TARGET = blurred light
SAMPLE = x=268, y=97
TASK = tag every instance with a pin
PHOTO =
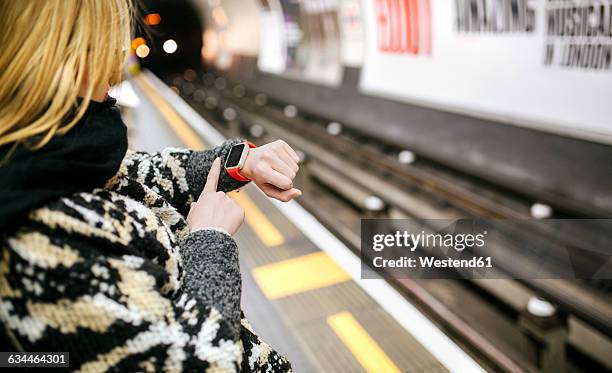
x=334, y=128
x=373, y=203
x=219, y=16
x=138, y=42
x=229, y=114
x=290, y=111
x=541, y=211
x=210, y=103
x=214, y=3
x=190, y=75
x=142, y=51
x=199, y=95
x=210, y=45
x=261, y=99
x=220, y=83
x=539, y=307
x=152, y=19
x=170, y=46
x=178, y=81
x=406, y=157
x=256, y=130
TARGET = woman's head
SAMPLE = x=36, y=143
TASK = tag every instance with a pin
x=52, y=52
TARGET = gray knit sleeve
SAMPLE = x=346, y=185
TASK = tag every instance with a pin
x=200, y=162
x=212, y=272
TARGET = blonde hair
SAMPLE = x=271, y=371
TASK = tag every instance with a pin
x=51, y=51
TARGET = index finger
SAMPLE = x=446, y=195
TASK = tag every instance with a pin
x=212, y=180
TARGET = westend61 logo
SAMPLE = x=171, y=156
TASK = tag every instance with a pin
x=487, y=248
x=413, y=241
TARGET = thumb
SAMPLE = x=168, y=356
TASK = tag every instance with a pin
x=212, y=180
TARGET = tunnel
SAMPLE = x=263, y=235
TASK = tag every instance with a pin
x=176, y=39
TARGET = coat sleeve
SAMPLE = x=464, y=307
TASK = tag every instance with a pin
x=117, y=312
x=177, y=174
x=212, y=273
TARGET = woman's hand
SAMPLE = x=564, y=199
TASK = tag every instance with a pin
x=273, y=167
x=215, y=209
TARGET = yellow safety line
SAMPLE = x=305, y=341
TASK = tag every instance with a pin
x=369, y=354
x=297, y=275
x=178, y=125
x=257, y=220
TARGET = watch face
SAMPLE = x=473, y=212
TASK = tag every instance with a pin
x=234, y=156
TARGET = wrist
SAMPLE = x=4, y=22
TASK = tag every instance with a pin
x=247, y=169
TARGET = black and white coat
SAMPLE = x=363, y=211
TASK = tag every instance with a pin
x=114, y=277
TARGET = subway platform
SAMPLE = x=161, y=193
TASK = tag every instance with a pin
x=302, y=289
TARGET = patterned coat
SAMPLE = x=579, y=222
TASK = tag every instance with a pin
x=114, y=277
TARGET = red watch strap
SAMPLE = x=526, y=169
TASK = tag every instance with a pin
x=235, y=173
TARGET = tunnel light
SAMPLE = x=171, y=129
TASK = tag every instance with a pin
x=229, y=114
x=541, y=211
x=152, y=19
x=334, y=128
x=540, y=307
x=138, y=42
x=219, y=16
x=406, y=157
x=178, y=81
x=190, y=75
x=142, y=51
x=256, y=130
x=170, y=46
x=373, y=203
x=210, y=103
x=290, y=111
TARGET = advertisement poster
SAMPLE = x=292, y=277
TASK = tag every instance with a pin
x=533, y=63
x=272, y=52
x=351, y=33
x=301, y=40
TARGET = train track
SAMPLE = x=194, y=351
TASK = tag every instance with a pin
x=422, y=190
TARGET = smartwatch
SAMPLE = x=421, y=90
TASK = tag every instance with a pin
x=236, y=159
